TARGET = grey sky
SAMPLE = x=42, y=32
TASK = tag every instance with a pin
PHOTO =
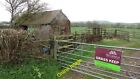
x=89, y=10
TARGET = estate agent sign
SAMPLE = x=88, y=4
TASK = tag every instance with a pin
x=108, y=59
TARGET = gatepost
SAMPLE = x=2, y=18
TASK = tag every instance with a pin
x=53, y=48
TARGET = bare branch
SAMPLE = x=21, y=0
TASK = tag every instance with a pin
x=25, y=7
x=14, y=7
x=35, y=6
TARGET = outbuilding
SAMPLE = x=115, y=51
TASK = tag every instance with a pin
x=49, y=23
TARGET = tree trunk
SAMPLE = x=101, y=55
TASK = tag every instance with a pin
x=12, y=18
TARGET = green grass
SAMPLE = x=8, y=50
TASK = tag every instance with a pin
x=47, y=69
x=113, y=42
x=84, y=29
x=78, y=29
x=31, y=30
x=134, y=43
x=126, y=29
x=29, y=69
x=110, y=42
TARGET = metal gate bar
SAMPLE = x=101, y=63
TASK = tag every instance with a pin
x=68, y=57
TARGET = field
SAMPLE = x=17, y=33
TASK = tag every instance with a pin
x=134, y=43
x=113, y=42
x=47, y=69
x=78, y=29
x=83, y=29
x=29, y=69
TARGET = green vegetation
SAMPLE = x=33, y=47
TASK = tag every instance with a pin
x=83, y=29
x=78, y=29
x=29, y=69
x=134, y=43
x=112, y=42
x=47, y=69
x=126, y=29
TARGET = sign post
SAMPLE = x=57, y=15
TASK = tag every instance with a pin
x=108, y=59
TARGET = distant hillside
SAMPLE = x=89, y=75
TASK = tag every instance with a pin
x=4, y=23
x=103, y=22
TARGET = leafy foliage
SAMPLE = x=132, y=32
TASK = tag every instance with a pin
x=30, y=69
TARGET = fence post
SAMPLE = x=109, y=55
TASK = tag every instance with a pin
x=75, y=36
x=115, y=33
x=53, y=48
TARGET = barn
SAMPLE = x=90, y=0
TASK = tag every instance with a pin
x=49, y=23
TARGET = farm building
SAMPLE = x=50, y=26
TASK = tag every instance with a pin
x=49, y=23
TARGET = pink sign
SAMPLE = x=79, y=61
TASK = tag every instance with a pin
x=108, y=56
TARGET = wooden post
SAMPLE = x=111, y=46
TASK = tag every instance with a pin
x=101, y=33
x=115, y=33
x=53, y=48
x=104, y=33
x=94, y=31
x=75, y=36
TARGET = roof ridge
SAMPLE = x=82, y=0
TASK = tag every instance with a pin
x=44, y=17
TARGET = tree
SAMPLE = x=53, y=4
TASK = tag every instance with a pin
x=34, y=6
x=15, y=7
x=25, y=8
x=93, y=24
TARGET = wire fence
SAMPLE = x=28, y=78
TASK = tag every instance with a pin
x=130, y=62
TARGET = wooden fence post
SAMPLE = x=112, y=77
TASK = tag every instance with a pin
x=104, y=33
x=115, y=33
x=53, y=48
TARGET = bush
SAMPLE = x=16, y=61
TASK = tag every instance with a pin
x=11, y=43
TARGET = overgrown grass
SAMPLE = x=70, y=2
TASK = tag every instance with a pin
x=30, y=69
